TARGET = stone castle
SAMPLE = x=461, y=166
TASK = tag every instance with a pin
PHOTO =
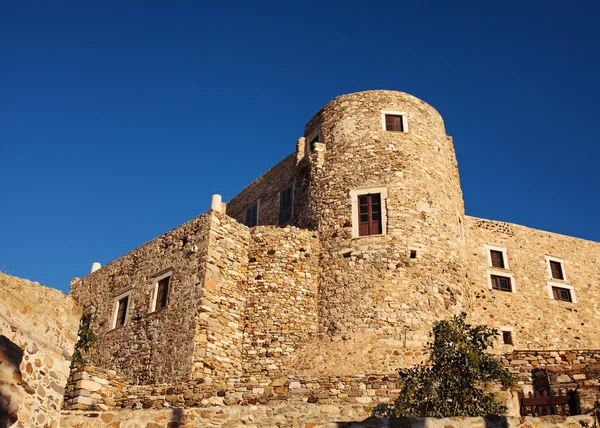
x=324, y=276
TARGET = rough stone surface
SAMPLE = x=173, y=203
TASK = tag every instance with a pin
x=38, y=331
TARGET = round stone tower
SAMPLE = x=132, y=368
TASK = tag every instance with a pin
x=385, y=197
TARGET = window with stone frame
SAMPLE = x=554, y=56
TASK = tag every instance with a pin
x=394, y=122
x=122, y=310
x=251, y=215
x=162, y=293
x=369, y=214
x=497, y=258
x=556, y=270
x=507, y=337
x=286, y=200
x=501, y=283
x=563, y=294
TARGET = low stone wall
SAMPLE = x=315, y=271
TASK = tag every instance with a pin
x=38, y=331
x=300, y=416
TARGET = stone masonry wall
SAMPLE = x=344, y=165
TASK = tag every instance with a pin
x=220, y=321
x=152, y=346
x=266, y=190
x=38, y=331
x=281, y=310
x=538, y=321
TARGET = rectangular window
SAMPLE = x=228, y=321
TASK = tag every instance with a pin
x=556, y=269
x=122, y=311
x=507, y=337
x=369, y=214
x=563, y=294
x=497, y=259
x=162, y=292
x=313, y=140
x=286, y=197
x=251, y=215
x=394, y=122
x=501, y=283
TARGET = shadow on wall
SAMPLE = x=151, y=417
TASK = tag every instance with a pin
x=374, y=422
x=176, y=418
x=10, y=376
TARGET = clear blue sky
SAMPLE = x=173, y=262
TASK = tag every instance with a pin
x=118, y=120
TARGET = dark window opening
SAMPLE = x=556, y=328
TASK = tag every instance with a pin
x=501, y=283
x=497, y=259
x=394, y=123
x=563, y=294
x=313, y=140
x=556, y=269
x=413, y=254
x=162, y=293
x=251, y=215
x=369, y=215
x=286, y=197
x=507, y=337
x=122, y=311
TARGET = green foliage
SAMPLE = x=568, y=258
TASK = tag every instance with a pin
x=455, y=378
x=87, y=340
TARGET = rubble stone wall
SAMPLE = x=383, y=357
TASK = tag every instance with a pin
x=38, y=331
x=153, y=346
x=281, y=309
x=537, y=320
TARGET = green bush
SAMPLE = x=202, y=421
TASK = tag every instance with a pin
x=87, y=341
x=455, y=379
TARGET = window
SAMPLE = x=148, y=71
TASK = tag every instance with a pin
x=251, y=215
x=368, y=211
x=556, y=270
x=160, y=292
x=497, y=259
x=560, y=293
x=369, y=214
x=394, y=121
x=507, y=337
x=501, y=283
x=314, y=137
x=121, y=310
x=286, y=197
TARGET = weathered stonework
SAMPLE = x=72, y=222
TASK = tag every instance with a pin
x=38, y=331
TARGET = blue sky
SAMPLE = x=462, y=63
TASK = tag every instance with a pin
x=119, y=120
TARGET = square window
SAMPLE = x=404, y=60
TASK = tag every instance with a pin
x=556, y=270
x=563, y=294
x=501, y=283
x=507, y=337
x=286, y=198
x=122, y=309
x=497, y=258
x=251, y=215
x=162, y=293
x=369, y=217
x=394, y=122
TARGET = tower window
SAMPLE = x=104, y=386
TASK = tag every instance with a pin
x=122, y=310
x=507, y=337
x=251, y=215
x=563, y=294
x=501, y=283
x=313, y=139
x=286, y=198
x=162, y=293
x=394, y=122
x=556, y=270
x=369, y=214
x=497, y=258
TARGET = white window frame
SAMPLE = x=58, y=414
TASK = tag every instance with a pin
x=354, y=194
x=117, y=299
x=157, y=279
x=562, y=267
x=510, y=330
x=561, y=285
x=395, y=113
x=316, y=132
x=257, y=202
x=489, y=256
x=504, y=273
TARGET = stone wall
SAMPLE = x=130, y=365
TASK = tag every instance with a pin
x=220, y=321
x=153, y=346
x=537, y=320
x=281, y=310
x=38, y=331
x=300, y=416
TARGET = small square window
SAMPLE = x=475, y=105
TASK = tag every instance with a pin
x=122, y=306
x=497, y=258
x=286, y=198
x=501, y=283
x=556, y=270
x=507, y=337
x=162, y=292
x=563, y=294
x=251, y=215
x=394, y=122
x=369, y=214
